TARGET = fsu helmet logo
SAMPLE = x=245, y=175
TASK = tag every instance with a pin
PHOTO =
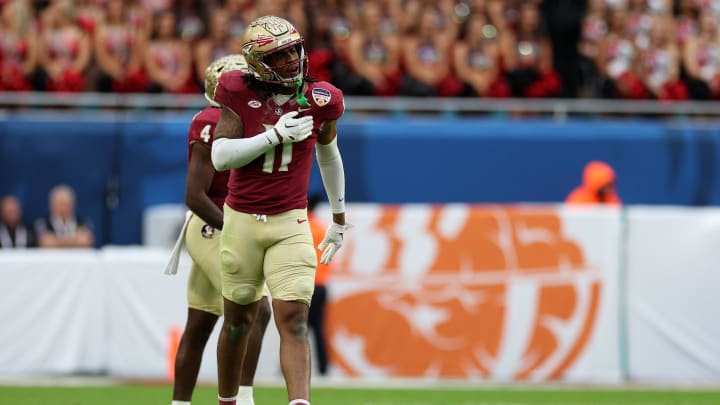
x=263, y=40
x=276, y=26
x=467, y=291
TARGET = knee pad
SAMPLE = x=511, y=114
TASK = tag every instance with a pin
x=241, y=294
x=236, y=287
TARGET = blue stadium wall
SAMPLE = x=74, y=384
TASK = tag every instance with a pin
x=120, y=164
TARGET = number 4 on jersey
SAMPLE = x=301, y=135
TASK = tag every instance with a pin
x=205, y=133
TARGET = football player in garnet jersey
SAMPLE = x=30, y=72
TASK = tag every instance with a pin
x=272, y=121
x=205, y=192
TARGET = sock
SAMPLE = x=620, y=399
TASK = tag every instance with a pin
x=299, y=402
x=180, y=402
x=227, y=401
x=245, y=395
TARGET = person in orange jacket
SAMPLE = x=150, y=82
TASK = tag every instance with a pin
x=598, y=186
x=316, y=317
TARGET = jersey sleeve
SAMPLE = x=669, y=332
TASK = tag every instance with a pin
x=337, y=107
x=329, y=100
x=202, y=128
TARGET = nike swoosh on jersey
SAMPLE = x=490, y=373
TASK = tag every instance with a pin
x=300, y=221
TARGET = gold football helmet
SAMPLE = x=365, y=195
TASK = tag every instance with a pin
x=217, y=68
x=269, y=34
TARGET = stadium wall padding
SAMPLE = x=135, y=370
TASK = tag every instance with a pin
x=122, y=163
x=465, y=292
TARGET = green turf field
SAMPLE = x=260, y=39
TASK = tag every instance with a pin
x=141, y=395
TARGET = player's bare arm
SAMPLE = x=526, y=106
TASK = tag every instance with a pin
x=327, y=132
x=199, y=179
x=228, y=126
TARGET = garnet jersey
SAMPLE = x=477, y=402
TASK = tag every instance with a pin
x=278, y=180
x=202, y=129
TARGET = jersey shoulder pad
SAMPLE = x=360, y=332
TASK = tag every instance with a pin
x=232, y=81
x=209, y=115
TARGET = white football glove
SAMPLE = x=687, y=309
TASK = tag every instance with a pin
x=332, y=242
x=294, y=129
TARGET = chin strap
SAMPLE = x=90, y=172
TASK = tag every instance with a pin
x=301, y=99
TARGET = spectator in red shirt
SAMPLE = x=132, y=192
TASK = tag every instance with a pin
x=65, y=49
x=168, y=58
x=427, y=57
x=18, y=48
x=528, y=56
x=119, y=48
x=374, y=54
x=477, y=59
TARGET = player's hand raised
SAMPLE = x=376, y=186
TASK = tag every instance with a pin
x=293, y=129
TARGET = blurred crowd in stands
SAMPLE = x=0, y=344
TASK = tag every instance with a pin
x=634, y=49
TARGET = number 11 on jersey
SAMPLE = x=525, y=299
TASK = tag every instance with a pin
x=284, y=160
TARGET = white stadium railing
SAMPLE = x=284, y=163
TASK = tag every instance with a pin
x=557, y=108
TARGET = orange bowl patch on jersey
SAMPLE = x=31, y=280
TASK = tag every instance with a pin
x=321, y=96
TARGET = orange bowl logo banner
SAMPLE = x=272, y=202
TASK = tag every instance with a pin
x=513, y=293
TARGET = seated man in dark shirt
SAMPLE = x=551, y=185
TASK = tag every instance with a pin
x=62, y=228
x=13, y=231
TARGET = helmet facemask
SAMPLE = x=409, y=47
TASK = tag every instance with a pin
x=277, y=71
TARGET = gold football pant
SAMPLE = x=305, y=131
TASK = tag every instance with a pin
x=277, y=249
x=204, y=283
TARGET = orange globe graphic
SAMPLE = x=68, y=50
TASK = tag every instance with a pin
x=489, y=292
